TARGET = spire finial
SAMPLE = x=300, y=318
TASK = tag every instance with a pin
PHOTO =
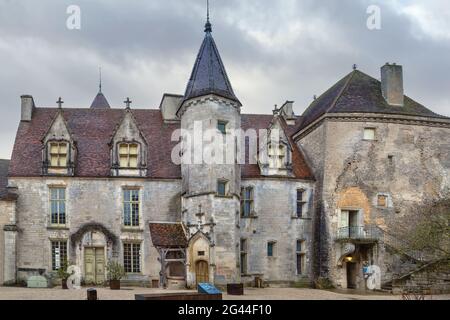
x=208, y=26
x=100, y=79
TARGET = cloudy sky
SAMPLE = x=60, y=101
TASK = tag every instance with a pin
x=273, y=50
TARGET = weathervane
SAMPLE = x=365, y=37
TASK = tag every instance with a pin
x=208, y=26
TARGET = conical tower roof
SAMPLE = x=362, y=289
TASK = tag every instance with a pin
x=209, y=75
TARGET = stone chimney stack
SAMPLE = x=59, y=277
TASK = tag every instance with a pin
x=392, y=84
x=287, y=112
x=27, y=108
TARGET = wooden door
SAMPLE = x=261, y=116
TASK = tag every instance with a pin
x=99, y=265
x=202, y=272
x=89, y=265
x=351, y=275
x=94, y=265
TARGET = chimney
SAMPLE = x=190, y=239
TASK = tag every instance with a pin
x=169, y=106
x=27, y=107
x=392, y=84
x=288, y=113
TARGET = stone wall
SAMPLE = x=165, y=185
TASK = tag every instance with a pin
x=409, y=163
x=7, y=212
x=90, y=201
x=275, y=209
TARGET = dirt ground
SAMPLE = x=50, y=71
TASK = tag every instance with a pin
x=15, y=293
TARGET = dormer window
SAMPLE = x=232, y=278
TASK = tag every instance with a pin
x=277, y=156
x=128, y=155
x=58, y=154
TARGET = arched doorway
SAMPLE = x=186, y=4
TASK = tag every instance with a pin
x=201, y=271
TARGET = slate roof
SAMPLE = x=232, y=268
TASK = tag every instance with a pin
x=4, y=165
x=209, y=75
x=100, y=102
x=360, y=93
x=92, y=131
x=168, y=235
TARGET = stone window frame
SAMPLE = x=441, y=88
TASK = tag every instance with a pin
x=302, y=253
x=303, y=204
x=243, y=252
x=139, y=202
x=133, y=243
x=252, y=213
x=68, y=169
x=273, y=251
x=223, y=123
x=227, y=188
x=387, y=200
x=50, y=200
x=374, y=129
x=58, y=154
x=284, y=158
x=59, y=241
x=138, y=154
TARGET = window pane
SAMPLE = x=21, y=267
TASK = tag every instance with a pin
x=299, y=209
x=369, y=134
x=127, y=257
x=270, y=249
x=54, y=148
x=221, y=188
x=299, y=245
x=54, y=160
x=123, y=149
x=123, y=161
x=133, y=161
x=221, y=126
x=135, y=195
x=63, y=148
x=62, y=161
x=127, y=195
x=247, y=208
x=133, y=149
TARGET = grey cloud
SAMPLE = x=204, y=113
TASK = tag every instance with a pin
x=273, y=51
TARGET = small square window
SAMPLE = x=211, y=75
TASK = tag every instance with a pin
x=222, y=188
x=201, y=253
x=382, y=201
x=369, y=133
x=222, y=127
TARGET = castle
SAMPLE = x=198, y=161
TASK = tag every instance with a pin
x=92, y=185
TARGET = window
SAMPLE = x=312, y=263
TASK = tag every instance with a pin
x=243, y=248
x=369, y=133
x=131, y=205
x=128, y=155
x=271, y=249
x=58, y=154
x=222, y=126
x=58, y=206
x=132, y=257
x=300, y=203
x=59, y=254
x=277, y=156
x=382, y=201
x=246, y=202
x=300, y=252
x=222, y=188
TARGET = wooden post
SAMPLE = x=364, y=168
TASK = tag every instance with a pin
x=91, y=294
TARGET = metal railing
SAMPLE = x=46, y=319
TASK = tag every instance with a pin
x=368, y=232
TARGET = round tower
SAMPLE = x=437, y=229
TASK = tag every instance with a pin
x=210, y=115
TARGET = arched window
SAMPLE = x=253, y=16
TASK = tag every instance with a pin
x=128, y=155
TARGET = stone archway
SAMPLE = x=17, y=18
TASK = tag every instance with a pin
x=93, y=245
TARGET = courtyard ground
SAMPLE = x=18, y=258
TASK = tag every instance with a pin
x=16, y=293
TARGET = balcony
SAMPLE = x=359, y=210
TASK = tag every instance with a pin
x=360, y=234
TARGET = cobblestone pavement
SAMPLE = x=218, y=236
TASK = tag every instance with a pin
x=14, y=293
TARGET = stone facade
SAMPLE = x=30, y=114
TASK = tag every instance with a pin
x=407, y=162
